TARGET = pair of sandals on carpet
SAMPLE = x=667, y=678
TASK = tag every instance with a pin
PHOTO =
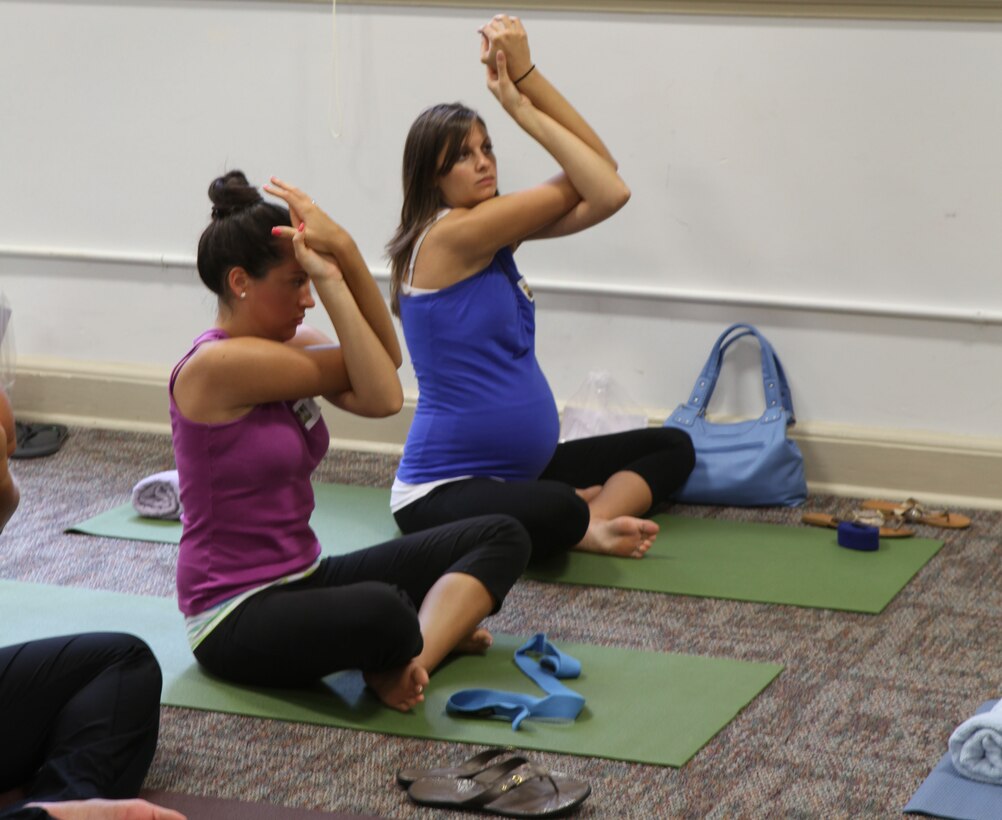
x=498, y=781
x=891, y=518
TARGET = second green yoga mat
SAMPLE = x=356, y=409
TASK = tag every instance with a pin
x=706, y=557
x=644, y=707
x=345, y=518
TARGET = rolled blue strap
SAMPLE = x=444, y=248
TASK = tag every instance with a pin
x=544, y=663
x=855, y=536
x=515, y=706
x=550, y=663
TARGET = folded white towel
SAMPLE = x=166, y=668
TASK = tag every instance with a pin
x=976, y=746
x=158, y=496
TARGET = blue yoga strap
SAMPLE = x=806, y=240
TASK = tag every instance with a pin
x=544, y=665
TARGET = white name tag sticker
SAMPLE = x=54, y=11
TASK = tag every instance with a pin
x=526, y=289
x=307, y=411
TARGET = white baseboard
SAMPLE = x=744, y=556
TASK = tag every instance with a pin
x=856, y=462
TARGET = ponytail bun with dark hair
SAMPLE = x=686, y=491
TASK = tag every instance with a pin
x=232, y=193
x=239, y=235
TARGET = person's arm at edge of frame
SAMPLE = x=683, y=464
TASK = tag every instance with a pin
x=97, y=808
x=10, y=496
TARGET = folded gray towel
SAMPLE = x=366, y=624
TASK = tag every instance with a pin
x=976, y=746
x=158, y=496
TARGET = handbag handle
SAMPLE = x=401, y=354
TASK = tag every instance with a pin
x=786, y=397
x=774, y=383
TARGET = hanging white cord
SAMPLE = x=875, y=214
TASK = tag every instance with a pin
x=334, y=111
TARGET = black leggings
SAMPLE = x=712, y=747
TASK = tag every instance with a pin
x=80, y=717
x=556, y=516
x=358, y=611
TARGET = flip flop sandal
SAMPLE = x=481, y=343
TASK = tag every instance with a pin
x=512, y=788
x=35, y=440
x=894, y=530
x=915, y=513
x=468, y=768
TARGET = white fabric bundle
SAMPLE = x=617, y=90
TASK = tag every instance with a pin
x=976, y=746
x=158, y=496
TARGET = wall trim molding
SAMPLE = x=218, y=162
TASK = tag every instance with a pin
x=845, y=461
x=858, y=307
x=961, y=10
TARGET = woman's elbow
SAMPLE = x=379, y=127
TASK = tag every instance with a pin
x=615, y=199
x=623, y=195
x=390, y=403
x=396, y=405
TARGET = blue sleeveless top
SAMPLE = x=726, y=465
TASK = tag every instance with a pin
x=484, y=406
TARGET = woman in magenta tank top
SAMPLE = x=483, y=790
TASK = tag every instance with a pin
x=484, y=437
x=261, y=605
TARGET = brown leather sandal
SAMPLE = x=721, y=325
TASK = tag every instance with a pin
x=915, y=513
x=468, y=768
x=512, y=788
x=889, y=527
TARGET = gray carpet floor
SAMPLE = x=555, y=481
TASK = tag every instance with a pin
x=852, y=726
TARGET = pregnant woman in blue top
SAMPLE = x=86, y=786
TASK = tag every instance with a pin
x=484, y=437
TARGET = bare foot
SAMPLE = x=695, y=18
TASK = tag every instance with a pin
x=625, y=536
x=588, y=493
x=401, y=688
x=476, y=643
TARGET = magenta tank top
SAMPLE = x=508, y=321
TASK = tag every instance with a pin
x=247, y=498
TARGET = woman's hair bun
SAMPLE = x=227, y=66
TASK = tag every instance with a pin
x=231, y=193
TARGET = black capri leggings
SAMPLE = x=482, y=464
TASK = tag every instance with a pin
x=80, y=717
x=359, y=611
x=556, y=516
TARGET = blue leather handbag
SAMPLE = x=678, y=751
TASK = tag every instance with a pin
x=746, y=463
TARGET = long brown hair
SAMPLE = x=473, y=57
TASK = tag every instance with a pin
x=442, y=127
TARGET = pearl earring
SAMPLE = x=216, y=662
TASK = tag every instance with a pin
x=243, y=294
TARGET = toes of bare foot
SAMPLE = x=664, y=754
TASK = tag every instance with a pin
x=401, y=688
x=625, y=536
x=476, y=643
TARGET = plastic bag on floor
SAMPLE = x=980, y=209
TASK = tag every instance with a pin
x=601, y=405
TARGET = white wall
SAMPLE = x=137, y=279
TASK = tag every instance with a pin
x=811, y=176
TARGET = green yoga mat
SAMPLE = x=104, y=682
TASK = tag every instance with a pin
x=345, y=518
x=711, y=558
x=766, y=563
x=644, y=707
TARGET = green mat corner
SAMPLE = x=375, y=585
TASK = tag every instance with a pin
x=764, y=563
x=685, y=700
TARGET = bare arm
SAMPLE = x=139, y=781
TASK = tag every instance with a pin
x=100, y=809
x=588, y=192
x=225, y=379
x=374, y=387
x=325, y=235
x=9, y=494
x=508, y=35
